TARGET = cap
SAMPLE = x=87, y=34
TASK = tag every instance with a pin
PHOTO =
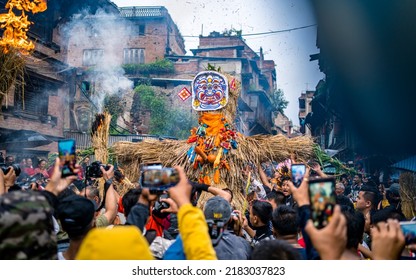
x=75, y=214
x=217, y=209
x=26, y=227
x=118, y=243
x=394, y=189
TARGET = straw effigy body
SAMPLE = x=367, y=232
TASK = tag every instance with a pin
x=255, y=149
x=407, y=182
x=99, y=138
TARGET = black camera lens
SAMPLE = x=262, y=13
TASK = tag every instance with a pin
x=16, y=167
x=94, y=170
x=159, y=206
x=4, y=168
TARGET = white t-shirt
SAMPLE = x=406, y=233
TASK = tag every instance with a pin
x=61, y=256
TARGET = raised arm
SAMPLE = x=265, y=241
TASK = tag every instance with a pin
x=111, y=206
x=264, y=179
x=192, y=225
x=2, y=187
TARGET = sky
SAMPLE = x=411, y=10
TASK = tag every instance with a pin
x=289, y=50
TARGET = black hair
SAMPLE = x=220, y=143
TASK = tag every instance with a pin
x=277, y=196
x=65, y=193
x=355, y=226
x=285, y=220
x=344, y=201
x=387, y=213
x=263, y=210
x=372, y=194
x=393, y=197
x=343, y=176
x=9, y=158
x=275, y=250
x=130, y=199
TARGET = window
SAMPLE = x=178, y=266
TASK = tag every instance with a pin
x=136, y=30
x=85, y=86
x=133, y=56
x=302, y=103
x=92, y=56
x=141, y=29
x=35, y=98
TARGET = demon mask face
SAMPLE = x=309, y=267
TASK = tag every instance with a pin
x=209, y=91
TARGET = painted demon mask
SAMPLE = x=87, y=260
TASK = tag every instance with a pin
x=209, y=91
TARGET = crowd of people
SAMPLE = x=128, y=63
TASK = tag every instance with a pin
x=67, y=218
x=34, y=173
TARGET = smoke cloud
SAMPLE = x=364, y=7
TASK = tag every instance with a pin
x=103, y=36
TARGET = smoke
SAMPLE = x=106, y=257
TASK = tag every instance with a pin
x=96, y=43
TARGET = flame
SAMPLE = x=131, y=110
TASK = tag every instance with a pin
x=16, y=24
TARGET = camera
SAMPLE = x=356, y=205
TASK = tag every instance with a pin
x=235, y=214
x=158, y=178
x=159, y=206
x=94, y=171
x=16, y=167
x=29, y=182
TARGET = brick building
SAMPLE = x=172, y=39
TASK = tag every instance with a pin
x=234, y=56
x=102, y=46
x=305, y=108
x=41, y=104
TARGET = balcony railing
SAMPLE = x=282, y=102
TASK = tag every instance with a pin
x=133, y=12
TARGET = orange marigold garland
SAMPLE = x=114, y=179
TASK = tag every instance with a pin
x=213, y=138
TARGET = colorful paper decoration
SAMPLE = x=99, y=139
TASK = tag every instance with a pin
x=184, y=94
x=233, y=85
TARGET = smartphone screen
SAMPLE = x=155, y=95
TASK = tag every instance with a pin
x=67, y=156
x=297, y=171
x=322, y=199
x=409, y=231
x=158, y=178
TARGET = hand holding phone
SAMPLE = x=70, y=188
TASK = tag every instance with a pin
x=322, y=200
x=298, y=172
x=409, y=231
x=67, y=156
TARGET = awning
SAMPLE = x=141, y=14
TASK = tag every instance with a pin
x=331, y=152
x=406, y=164
x=23, y=139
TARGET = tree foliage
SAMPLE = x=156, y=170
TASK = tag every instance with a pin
x=113, y=104
x=279, y=101
x=232, y=32
x=164, y=118
x=161, y=66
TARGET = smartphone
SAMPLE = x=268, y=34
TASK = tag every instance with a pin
x=409, y=231
x=67, y=156
x=297, y=171
x=158, y=178
x=322, y=200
